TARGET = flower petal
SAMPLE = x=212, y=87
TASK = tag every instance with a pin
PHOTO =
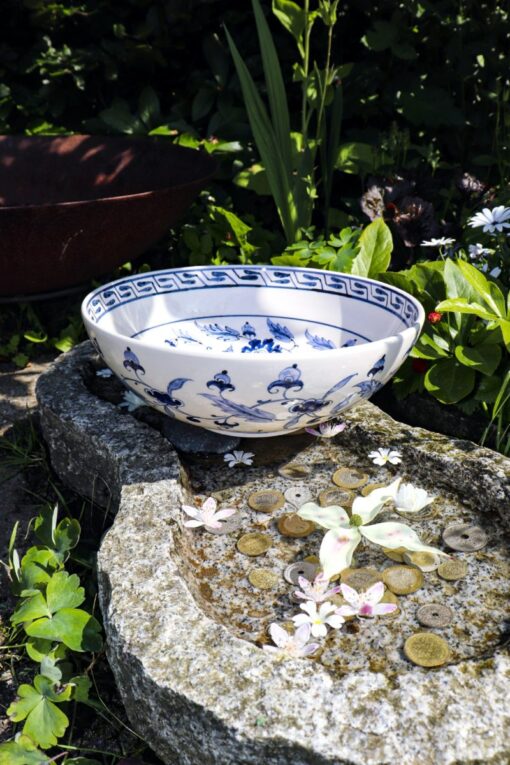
x=393, y=535
x=384, y=608
x=328, y=517
x=310, y=648
x=209, y=506
x=193, y=524
x=300, y=619
x=225, y=513
x=337, y=548
x=370, y=506
x=350, y=595
x=319, y=630
x=374, y=594
x=190, y=510
x=347, y=611
x=335, y=620
x=302, y=634
x=279, y=636
x=310, y=607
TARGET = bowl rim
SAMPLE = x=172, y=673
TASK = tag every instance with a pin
x=255, y=357
x=201, y=180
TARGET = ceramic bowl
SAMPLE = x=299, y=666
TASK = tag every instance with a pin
x=252, y=350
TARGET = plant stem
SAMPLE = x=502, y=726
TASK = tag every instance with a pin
x=306, y=67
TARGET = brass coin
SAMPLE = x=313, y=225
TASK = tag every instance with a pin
x=336, y=497
x=434, y=615
x=452, y=570
x=254, y=543
x=426, y=649
x=298, y=495
x=369, y=488
x=266, y=501
x=294, y=526
x=397, y=554
x=349, y=478
x=294, y=470
x=360, y=579
x=263, y=578
x=313, y=559
x=464, y=537
x=425, y=561
x=402, y=580
x=300, y=568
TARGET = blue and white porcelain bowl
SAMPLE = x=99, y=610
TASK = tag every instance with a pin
x=252, y=350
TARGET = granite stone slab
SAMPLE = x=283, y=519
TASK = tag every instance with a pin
x=184, y=644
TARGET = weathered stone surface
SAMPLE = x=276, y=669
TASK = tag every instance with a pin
x=200, y=694
x=189, y=438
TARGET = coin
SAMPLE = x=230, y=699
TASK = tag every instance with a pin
x=434, y=615
x=349, y=478
x=298, y=495
x=294, y=470
x=402, y=580
x=300, y=568
x=294, y=526
x=360, y=579
x=254, y=543
x=266, y=501
x=425, y=561
x=340, y=497
x=369, y=488
x=452, y=570
x=263, y=578
x=426, y=649
x=397, y=554
x=464, y=537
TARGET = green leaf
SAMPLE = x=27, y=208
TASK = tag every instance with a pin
x=45, y=525
x=449, y=381
x=376, y=245
x=64, y=591
x=82, y=761
x=38, y=649
x=75, y=628
x=253, y=178
x=460, y=305
x=30, y=609
x=22, y=751
x=149, y=107
x=35, y=570
x=50, y=670
x=428, y=348
x=292, y=17
x=482, y=358
x=489, y=291
x=67, y=535
x=45, y=723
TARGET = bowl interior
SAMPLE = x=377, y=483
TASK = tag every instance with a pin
x=49, y=170
x=215, y=310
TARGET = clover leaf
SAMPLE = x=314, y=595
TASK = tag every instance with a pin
x=62, y=537
x=45, y=723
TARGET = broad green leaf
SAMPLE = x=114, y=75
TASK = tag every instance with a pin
x=376, y=245
x=45, y=723
x=428, y=348
x=463, y=306
x=36, y=568
x=45, y=525
x=356, y=158
x=449, y=381
x=38, y=649
x=482, y=358
x=67, y=535
x=22, y=751
x=488, y=389
x=50, y=670
x=31, y=608
x=64, y=591
x=488, y=291
x=75, y=628
x=292, y=17
x=298, y=259
x=253, y=178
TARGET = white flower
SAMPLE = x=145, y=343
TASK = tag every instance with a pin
x=104, y=373
x=443, y=242
x=478, y=251
x=207, y=515
x=318, y=591
x=410, y=499
x=382, y=456
x=491, y=220
x=345, y=533
x=292, y=646
x=327, y=429
x=239, y=458
x=319, y=620
x=131, y=401
x=365, y=603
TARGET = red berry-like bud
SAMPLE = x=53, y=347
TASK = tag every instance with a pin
x=434, y=317
x=420, y=366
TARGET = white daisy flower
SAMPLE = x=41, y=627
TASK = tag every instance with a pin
x=383, y=456
x=239, y=458
x=207, y=515
x=327, y=429
x=365, y=603
x=319, y=620
x=478, y=251
x=495, y=220
x=442, y=242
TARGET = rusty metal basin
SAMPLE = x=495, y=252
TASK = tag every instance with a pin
x=74, y=207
